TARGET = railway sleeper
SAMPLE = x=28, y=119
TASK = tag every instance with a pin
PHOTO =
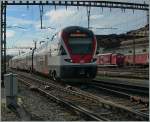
x=140, y=100
x=144, y=109
x=65, y=104
x=125, y=111
x=33, y=87
x=47, y=87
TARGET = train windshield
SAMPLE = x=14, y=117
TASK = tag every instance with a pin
x=80, y=45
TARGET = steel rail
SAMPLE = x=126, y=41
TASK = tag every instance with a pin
x=99, y=100
x=124, y=95
x=88, y=114
x=123, y=70
x=134, y=89
x=128, y=76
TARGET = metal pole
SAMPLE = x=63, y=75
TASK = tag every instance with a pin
x=33, y=54
x=133, y=52
x=34, y=44
x=3, y=39
x=147, y=17
x=32, y=58
x=41, y=15
x=88, y=15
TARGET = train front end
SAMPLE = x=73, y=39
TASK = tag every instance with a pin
x=80, y=61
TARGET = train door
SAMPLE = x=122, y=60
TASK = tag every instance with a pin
x=101, y=59
x=41, y=63
x=114, y=59
x=107, y=59
x=46, y=64
x=147, y=61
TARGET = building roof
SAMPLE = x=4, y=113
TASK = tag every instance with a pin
x=114, y=40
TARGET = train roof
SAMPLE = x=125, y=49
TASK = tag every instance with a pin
x=110, y=54
x=71, y=28
x=105, y=54
x=22, y=55
x=66, y=29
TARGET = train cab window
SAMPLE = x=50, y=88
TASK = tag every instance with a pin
x=62, y=51
x=80, y=45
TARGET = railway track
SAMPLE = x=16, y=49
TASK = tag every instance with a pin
x=43, y=88
x=132, y=89
x=124, y=72
x=132, y=70
x=91, y=106
x=137, y=102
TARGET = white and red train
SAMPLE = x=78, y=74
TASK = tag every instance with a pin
x=70, y=54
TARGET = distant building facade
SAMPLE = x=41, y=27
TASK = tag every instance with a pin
x=136, y=41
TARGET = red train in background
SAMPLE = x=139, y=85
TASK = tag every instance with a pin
x=110, y=59
x=140, y=59
x=117, y=59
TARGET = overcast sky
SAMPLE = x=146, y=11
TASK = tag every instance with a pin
x=23, y=24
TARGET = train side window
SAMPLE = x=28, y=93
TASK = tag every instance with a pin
x=144, y=50
x=62, y=51
x=130, y=51
x=97, y=52
x=50, y=52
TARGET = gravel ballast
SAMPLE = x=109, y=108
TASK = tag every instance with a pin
x=39, y=108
